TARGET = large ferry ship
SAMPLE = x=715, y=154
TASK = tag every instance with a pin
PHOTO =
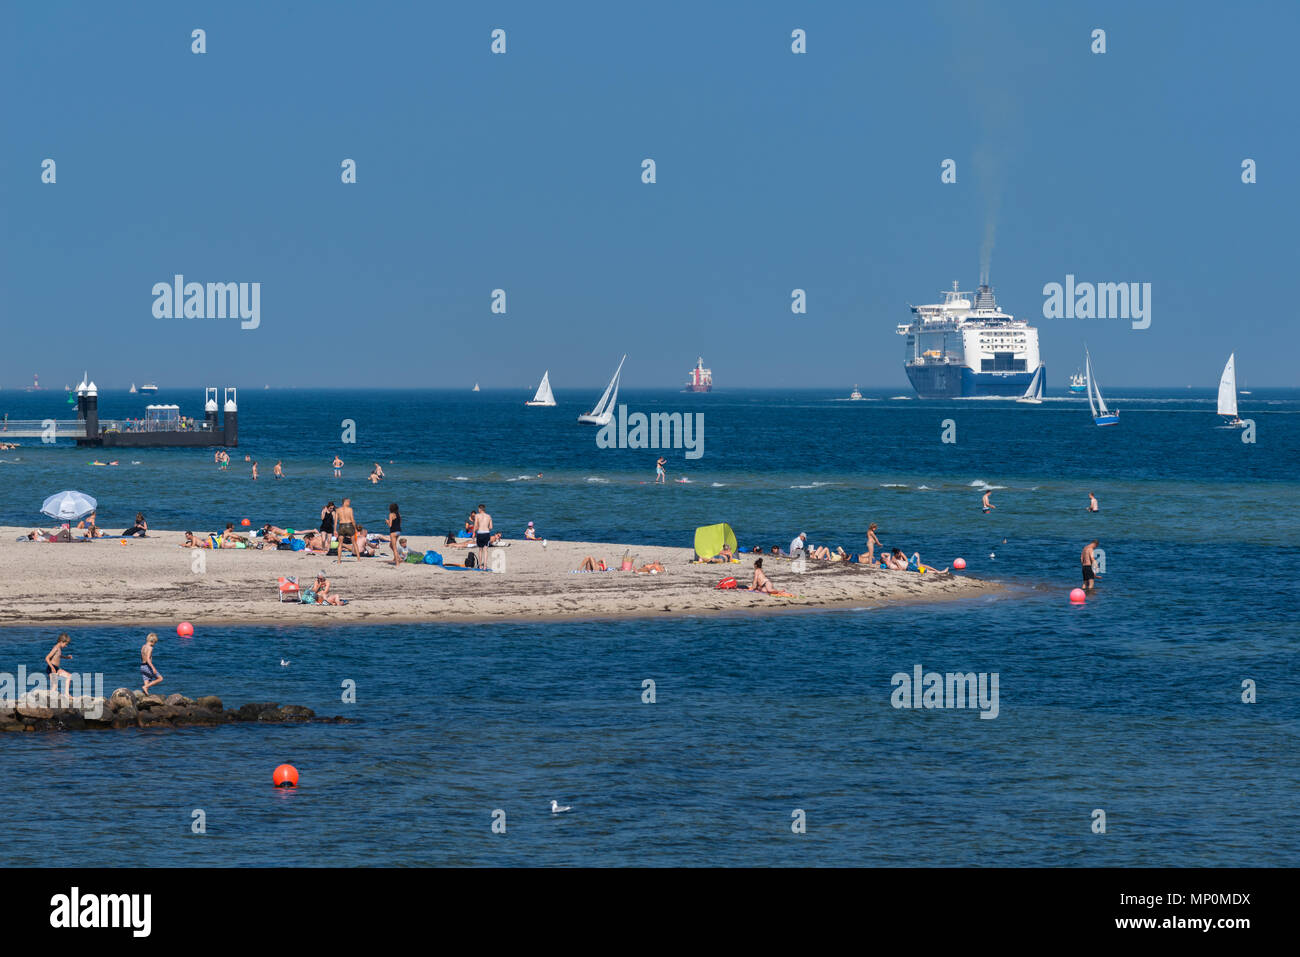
x=967, y=346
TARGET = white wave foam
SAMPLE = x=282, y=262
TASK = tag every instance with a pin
x=895, y=485
x=596, y=478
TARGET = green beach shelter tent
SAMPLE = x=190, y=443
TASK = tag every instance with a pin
x=709, y=540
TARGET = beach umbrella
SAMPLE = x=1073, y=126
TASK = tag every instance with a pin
x=68, y=506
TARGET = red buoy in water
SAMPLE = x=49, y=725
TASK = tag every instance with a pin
x=959, y=563
x=184, y=629
x=1078, y=596
x=244, y=521
x=285, y=776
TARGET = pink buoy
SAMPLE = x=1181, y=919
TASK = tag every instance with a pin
x=184, y=629
x=1078, y=596
x=959, y=563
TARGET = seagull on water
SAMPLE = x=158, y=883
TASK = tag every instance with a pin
x=283, y=663
x=556, y=809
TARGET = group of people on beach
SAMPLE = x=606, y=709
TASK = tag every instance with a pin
x=89, y=529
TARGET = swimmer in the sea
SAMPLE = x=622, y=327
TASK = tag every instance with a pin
x=987, y=504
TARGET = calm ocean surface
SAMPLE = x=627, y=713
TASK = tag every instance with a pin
x=1131, y=704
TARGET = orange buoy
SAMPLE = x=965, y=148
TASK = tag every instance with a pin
x=184, y=629
x=959, y=563
x=285, y=776
x=244, y=521
x=1078, y=596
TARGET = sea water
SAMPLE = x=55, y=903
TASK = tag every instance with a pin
x=1131, y=704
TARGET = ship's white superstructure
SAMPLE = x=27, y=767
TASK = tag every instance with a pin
x=967, y=346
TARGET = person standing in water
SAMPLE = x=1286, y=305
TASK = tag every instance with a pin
x=54, y=664
x=987, y=504
x=1086, y=560
x=278, y=471
x=149, y=673
x=1092, y=503
x=482, y=535
x=338, y=467
x=395, y=532
x=660, y=475
x=254, y=471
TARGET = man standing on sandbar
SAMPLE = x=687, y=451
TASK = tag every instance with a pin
x=482, y=534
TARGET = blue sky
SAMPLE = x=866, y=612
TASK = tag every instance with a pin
x=523, y=172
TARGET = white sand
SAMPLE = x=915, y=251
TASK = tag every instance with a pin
x=151, y=582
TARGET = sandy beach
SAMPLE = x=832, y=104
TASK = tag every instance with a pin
x=151, y=581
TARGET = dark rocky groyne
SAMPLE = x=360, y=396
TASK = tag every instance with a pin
x=124, y=708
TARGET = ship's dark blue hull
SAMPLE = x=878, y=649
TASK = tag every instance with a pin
x=956, y=382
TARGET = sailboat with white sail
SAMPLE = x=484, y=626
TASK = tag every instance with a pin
x=544, y=395
x=604, y=410
x=1100, y=414
x=1228, y=394
x=1034, y=394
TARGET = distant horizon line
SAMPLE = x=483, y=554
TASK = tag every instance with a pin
x=598, y=386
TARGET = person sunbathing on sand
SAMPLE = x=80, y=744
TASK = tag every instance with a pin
x=316, y=542
x=139, y=529
x=821, y=552
x=760, y=581
x=651, y=568
x=895, y=560
x=723, y=556
x=530, y=533
x=920, y=566
x=322, y=592
x=590, y=564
